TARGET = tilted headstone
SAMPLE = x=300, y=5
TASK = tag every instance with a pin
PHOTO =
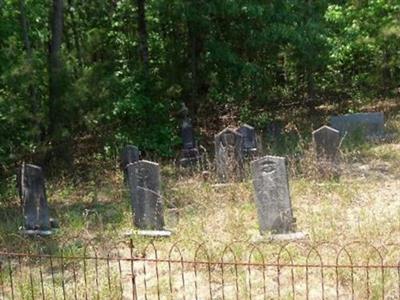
x=272, y=195
x=370, y=124
x=129, y=154
x=33, y=198
x=326, y=142
x=145, y=187
x=249, y=139
x=190, y=154
x=229, y=156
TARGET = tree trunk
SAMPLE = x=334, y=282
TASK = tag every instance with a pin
x=55, y=66
x=143, y=37
x=195, y=43
x=61, y=144
x=75, y=33
x=29, y=55
x=194, y=55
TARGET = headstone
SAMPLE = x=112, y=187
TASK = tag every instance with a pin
x=129, y=154
x=370, y=124
x=272, y=195
x=34, y=201
x=187, y=134
x=190, y=154
x=228, y=155
x=145, y=191
x=326, y=142
x=249, y=140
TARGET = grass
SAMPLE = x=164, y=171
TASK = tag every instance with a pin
x=362, y=205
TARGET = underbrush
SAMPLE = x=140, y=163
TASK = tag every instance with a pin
x=361, y=204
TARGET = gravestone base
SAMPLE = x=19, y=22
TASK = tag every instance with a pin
x=250, y=154
x=150, y=233
x=280, y=237
x=292, y=236
x=190, y=158
x=155, y=233
x=35, y=232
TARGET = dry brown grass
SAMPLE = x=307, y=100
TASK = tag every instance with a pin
x=363, y=204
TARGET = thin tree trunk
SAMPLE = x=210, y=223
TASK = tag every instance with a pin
x=143, y=37
x=75, y=33
x=29, y=55
x=55, y=66
x=194, y=53
x=196, y=43
x=61, y=147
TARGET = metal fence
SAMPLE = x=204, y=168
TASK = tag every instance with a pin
x=190, y=270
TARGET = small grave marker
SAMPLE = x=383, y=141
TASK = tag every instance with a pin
x=145, y=191
x=34, y=202
x=229, y=156
x=190, y=153
x=326, y=142
x=249, y=140
x=274, y=207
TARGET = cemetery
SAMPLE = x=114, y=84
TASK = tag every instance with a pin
x=139, y=211
x=218, y=149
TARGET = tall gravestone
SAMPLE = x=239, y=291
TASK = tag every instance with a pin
x=129, y=154
x=145, y=192
x=190, y=153
x=326, y=142
x=34, y=202
x=249, y=140
x=274, y=207
x=369, y=124
x=229, y=156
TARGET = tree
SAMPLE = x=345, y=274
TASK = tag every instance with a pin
x=142, y=32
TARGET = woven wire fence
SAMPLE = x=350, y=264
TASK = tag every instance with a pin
x=190, y=270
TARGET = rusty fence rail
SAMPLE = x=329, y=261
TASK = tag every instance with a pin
x=190, y=270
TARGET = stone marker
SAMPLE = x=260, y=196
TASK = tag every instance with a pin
x=273, y=130
x=190, y=154
x=187, y=134
x=34, y=202
x=147, y=205
x=129, y=154
x=370, y=124
x=326, y=142
x=272, y=196
x=228, y=155
x=249, y=140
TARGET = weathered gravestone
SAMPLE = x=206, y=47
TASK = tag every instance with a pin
x=129, y=154
x=249, y=140
x=190, y=154
x=326, y=142
x=145, y=191
x=34, y=202
x=274, y=207
x=369, y=124
x=229, y=156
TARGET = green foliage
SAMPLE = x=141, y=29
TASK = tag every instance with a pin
x=248, y=55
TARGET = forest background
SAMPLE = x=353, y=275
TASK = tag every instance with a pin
x=83, y=78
